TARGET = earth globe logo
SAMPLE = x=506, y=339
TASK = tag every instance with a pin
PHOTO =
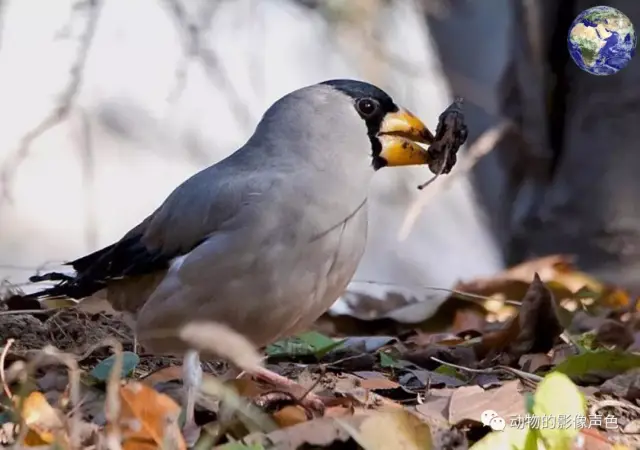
x=602, y=40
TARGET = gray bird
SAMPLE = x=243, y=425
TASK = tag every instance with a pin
x=267, y=239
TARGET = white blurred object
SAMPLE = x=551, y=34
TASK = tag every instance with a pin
x=133, y=135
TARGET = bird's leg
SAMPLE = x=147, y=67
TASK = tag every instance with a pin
x=192, y=380
x=308, y=399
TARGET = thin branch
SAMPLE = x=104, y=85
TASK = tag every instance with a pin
x=195, y=47
x=61, y=111
x=87, y=156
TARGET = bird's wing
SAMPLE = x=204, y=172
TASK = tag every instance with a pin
x=193, y=212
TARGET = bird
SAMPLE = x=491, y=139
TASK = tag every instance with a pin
x=265, y=240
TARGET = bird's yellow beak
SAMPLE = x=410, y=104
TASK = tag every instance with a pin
x=400, y=133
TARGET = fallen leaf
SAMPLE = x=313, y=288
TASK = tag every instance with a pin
x=614, y=335
x=510, y=438
x=163, y=375
x=461, y=355
x=378, y=383
x=289, y=416
x=626, y=385
x=534, y=330
x=418, y=379
x=102, y=370
x=602, y=364
x=317, y=433
x=148, y=416
x=368, y=344
x=557, y=396
x=514, y=282
x=389, y=361
x=533, y=362
x=466, y=319
x=435, y=405
x=44, y=422
x=394, y=429
x=58, y=303
x=469, y=402
x=239, y=446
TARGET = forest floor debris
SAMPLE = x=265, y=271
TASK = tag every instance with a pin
x=542, y=353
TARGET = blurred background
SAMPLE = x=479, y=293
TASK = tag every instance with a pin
x=106, y=106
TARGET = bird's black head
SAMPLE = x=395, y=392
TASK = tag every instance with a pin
x=390, y=128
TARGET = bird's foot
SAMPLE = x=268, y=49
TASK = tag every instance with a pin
x=192, y=380
x=307, y=399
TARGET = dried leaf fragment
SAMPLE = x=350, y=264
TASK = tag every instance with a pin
x=44, y=422
x=148, y=417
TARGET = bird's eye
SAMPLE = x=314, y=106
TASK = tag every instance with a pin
x=367, y=107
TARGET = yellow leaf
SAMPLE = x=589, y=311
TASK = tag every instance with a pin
x=144, y=415
x=509, y=439
x=558, y=396
x=44, y=423
x=394, y=429
x=289, y=416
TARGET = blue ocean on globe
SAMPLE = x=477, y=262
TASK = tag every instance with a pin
x=602, y=40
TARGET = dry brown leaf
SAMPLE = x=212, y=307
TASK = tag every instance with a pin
x=289, y=416
x=375, y=430
x=534, y=330
x=398, y=429
x=626, y=385
x=247, y=387
x=532, y=362
x=435, y=405
x=317, y=433
x=147, y=416
x=556, y=270
x=378, y=383
x=614, y=334
x=466, y=319
x=469, y=402
x=44, y=422
x=163, y=375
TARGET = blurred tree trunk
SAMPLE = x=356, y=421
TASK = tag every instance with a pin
x=567, y=180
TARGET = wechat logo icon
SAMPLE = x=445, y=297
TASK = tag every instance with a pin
x=491, y=419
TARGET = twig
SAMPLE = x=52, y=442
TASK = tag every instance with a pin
x=60, y=112
x=480, y=148
x=314, y=385
x=463, y=295
x=213, y=68
x=74, y=390
x=88, y=162
x=112, y=401
x=519, y=373
x=24, y=311
x=5, y=350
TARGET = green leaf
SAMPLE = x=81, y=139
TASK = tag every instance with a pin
x=320, y=343
x=528, y=402
x=449, y=371
x=509, y=439
x=614, y=362
x=306, y=344
x=129, y=362
x=586, y=340
x=388, y=361
x=291, y=347
x=240, y=446
x=557, y=396
x=315, y=340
